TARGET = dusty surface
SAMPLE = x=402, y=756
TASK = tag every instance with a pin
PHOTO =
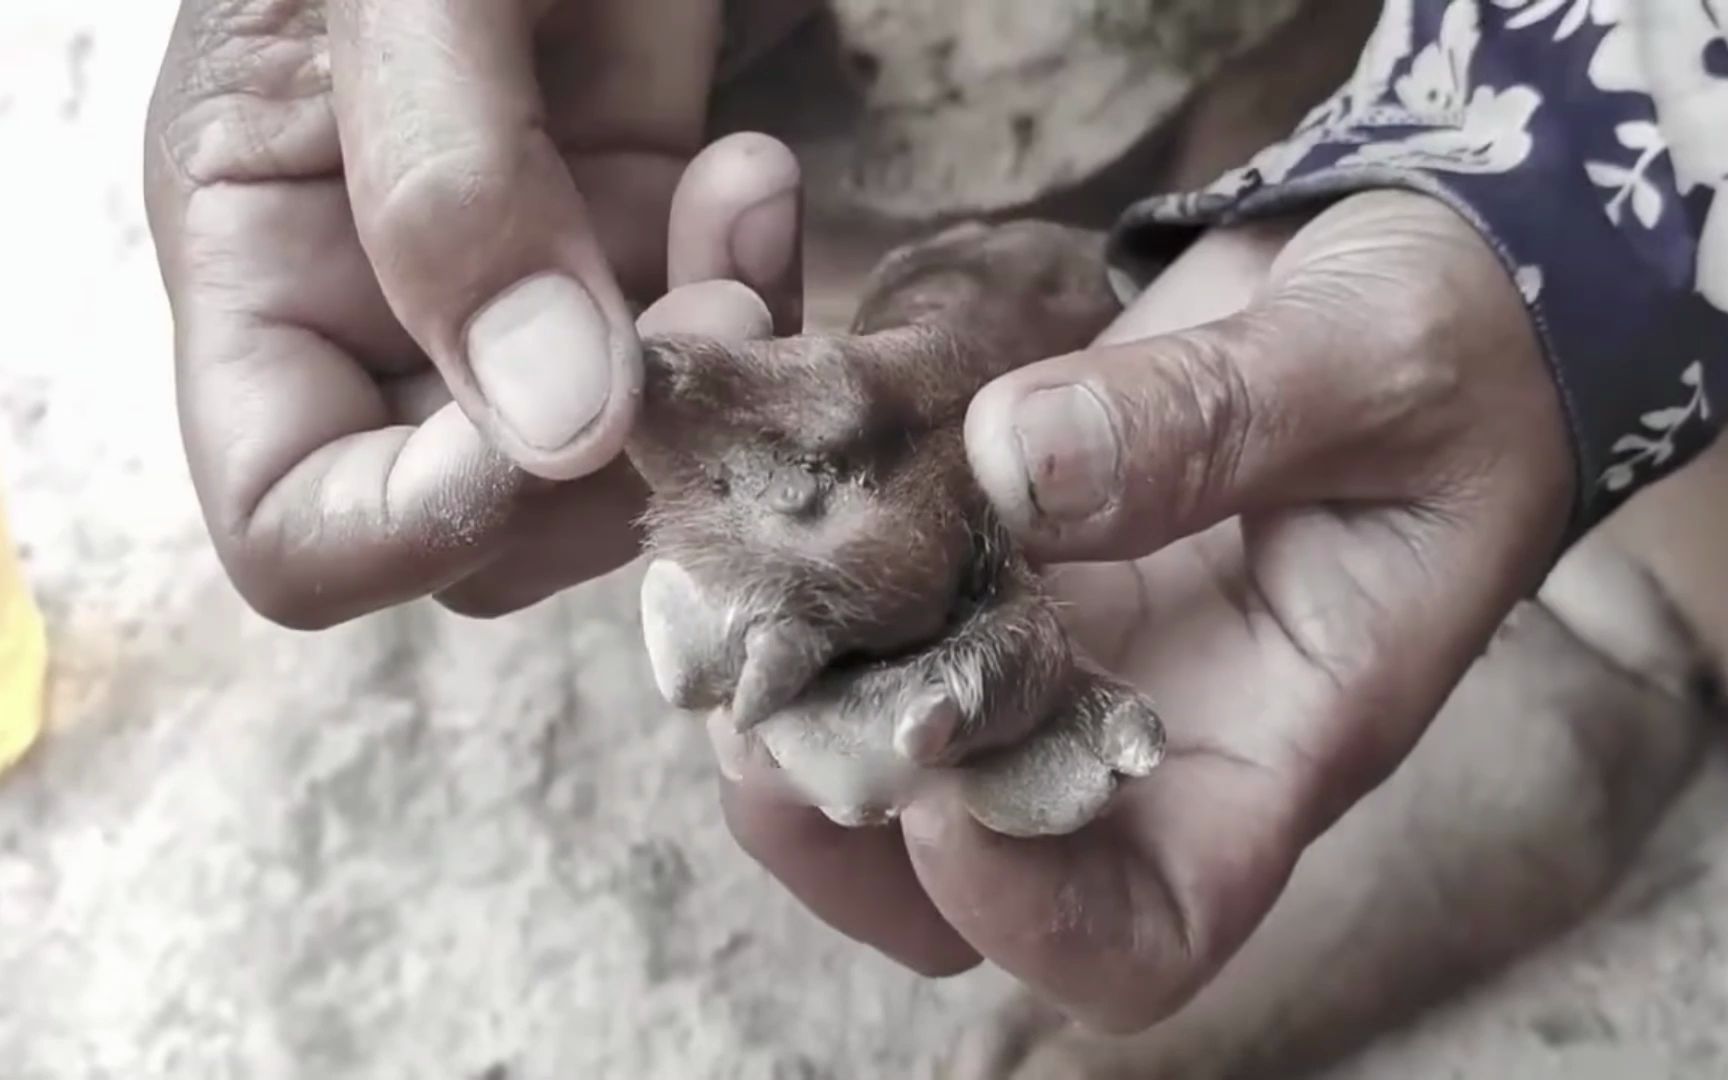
x=979, y=104
x=421, y=847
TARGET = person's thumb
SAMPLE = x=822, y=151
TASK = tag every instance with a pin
x=485, y=250
x=1322, y=388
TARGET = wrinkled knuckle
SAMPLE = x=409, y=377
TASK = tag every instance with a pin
x=208, y=139
x=1397, y=357
x=1207, y=398
x=230, y=99
x=220, y=18
x=409, y=206
x=1396, y=334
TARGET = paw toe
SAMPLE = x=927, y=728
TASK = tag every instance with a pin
x=685, y=632
x=1131, y=739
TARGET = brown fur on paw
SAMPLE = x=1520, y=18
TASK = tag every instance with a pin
x=840, y=743
x=827, y=569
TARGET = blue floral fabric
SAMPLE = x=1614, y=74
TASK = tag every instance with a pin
x=1587, y=140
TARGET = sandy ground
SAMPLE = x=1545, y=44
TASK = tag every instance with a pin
x=421, y=847
x=976, y=105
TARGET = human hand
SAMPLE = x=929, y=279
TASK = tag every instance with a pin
x=1344, y=486
x=401, y=240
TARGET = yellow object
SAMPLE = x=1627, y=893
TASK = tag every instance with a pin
x=23, y=657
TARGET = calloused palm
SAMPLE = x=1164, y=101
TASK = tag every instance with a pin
x=1346, y=487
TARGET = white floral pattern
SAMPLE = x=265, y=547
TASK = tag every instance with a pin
x=1576, y=14
x=1659, y=49
x=1654, y=446
x=1628, y=182
x=1483, y=131
x=1474, y=129
x=1530, y=281
x=1588, y=140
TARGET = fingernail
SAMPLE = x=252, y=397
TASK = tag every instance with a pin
x=541, y=354
x=1069, y=450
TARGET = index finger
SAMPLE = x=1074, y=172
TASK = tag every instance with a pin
x=467, y=210
x=320, y=507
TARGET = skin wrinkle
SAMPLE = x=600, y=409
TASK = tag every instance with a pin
x=240, y=72
x=249, y=498
x=202, y=146
x=1220, y=402
x=223, y=19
